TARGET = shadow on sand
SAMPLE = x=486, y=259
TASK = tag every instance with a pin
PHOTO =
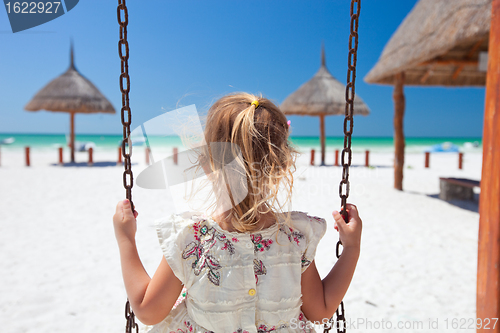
x=473, y=206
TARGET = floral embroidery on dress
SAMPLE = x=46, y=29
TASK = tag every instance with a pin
x=264, y=329
x=206, y=238
x=303, y=319
x=259, y=269
x=293, y=236
x=190, y=328
x=259, y=243
x=181, y=297
x=212, y=233
x=239, y=330
x=305, y=262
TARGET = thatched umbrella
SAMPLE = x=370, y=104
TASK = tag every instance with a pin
x=438, y=44
x=73, y=93
x=321, y=96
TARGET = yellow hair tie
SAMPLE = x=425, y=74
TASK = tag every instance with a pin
x=256, y=103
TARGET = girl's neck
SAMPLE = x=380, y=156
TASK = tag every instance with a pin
x=265, y=221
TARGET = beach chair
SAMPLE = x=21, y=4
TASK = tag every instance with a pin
x=457, y=188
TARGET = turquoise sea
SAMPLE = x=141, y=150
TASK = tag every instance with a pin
x=111, y=141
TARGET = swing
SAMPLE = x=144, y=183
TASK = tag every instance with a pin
x=126, y=119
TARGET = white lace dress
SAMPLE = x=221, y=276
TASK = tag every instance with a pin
x=238, y=282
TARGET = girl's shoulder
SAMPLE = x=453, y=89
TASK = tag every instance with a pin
x=304, y=216
x=308, y=231
x=306, y=222
x=176, y=224
x=178, y=219
x=185, y=220
x=310, y=227
x=174, y=233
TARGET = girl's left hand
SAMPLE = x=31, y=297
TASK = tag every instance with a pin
x=350, y=233
x=124, y=222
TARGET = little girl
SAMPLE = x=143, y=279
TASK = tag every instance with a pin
x=249, y=268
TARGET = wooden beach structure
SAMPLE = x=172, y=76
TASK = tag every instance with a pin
x=321, y=96
x=439, y=43
x=443, y=43
x=70, y=92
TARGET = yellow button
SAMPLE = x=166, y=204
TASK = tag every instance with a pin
x=251, y=292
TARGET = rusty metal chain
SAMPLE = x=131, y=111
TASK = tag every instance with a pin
x=126, y=114
x=126, y=118
x=346, y=157
x=130, y=316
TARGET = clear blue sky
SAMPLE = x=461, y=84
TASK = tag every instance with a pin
x=184, y=52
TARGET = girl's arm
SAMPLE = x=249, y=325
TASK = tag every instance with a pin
x=321, y=298
x=151, y=299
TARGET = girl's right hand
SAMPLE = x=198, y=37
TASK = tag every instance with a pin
x=350, y=233
x=124, y=222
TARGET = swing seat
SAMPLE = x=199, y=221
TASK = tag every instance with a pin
x=457, y=188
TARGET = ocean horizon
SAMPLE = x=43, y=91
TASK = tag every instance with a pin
x=48, y=141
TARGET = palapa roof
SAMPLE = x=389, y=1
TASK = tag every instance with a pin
x=70, y=92
x=322, y=94
x=438, y=43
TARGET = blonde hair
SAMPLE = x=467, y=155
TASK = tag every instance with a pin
x=258, y=134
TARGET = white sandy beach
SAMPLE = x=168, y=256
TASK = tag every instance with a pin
x=60, y=265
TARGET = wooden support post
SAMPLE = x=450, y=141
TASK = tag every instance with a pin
x=176, y=152
x=322, y=136
x=61, y=161
x=27, y=154
x=488, y=267
x=399, y=137
x=460, y=160
x=336, y=157
x=72, y=136
x=312, y=156
x=367, y=158
x=147, y=152
x=120, y=161
x=91, y=157
x=427, y=159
